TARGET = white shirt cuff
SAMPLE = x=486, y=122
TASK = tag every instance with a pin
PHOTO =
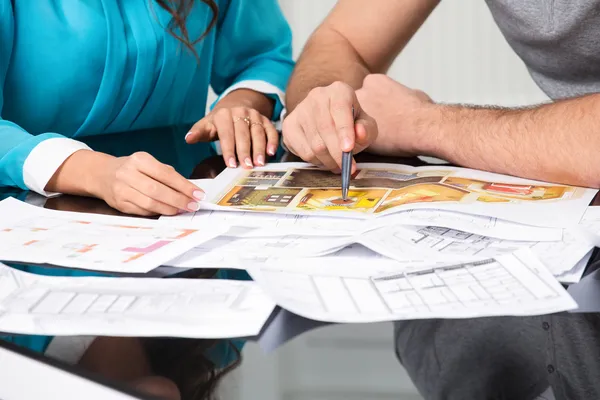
x=260, y=87
x=45, y=159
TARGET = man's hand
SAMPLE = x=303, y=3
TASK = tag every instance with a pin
x=322, y=126
x=399, y=112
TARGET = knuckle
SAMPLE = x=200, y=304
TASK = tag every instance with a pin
x=121, y=203
x=325, y=125
x=222, y=113
x=140, y=157
x=317, y=92
x=151, y=188
x=374, y=79
x=287, y=124
x=341, y=87
x=341, y=107
x=318, y=147
x=125, y=206
x=148, y=203
x=168, y=168
x=307, y=155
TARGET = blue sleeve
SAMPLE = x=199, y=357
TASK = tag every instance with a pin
x=15, y=143
x=254, y=43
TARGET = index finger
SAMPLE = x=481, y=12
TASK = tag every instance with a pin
x=343, y=107
x=167, y=175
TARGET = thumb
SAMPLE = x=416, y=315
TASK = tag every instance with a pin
x=366, y=132
x=202, y=131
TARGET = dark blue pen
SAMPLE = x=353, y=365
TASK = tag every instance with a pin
x=346, y=168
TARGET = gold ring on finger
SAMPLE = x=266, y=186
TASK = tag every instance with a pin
x=245, y=119
x=258, y=124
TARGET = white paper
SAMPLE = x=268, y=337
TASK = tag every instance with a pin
x=448, y=244
x=574, y=275
x=273, y=224
x=234, y=252
x=591, y=220
x=236, y=248
x=282, y=188
x=477, y=224
x=268, y=225
x=91, y=241
x=514, y=284
x=62, y=383
x=196, y=308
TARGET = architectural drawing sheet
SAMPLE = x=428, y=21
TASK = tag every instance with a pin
x=514, y=284
x=195, y=308
x=401, y=243
x=380, y=189
x=235, y=252
x=575, y=274
x=446, y=244
x=267, y=224
x=591, y=220
x=89, y=241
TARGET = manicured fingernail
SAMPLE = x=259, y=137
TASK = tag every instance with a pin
x=193, y=206
x=271, y=150
x=248, y=162
x=260, y=160
x=232, y=163
x=347, y=144
x=198, y=195
x=186, y=135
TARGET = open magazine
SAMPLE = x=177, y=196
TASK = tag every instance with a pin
x=382, y=189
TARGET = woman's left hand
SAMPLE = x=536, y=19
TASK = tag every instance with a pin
x=246, y=135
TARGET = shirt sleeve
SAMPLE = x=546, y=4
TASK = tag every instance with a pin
x=24, y=162
x=253, y=50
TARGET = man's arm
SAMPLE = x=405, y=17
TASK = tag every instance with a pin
x=555, y=142
x=356, y=39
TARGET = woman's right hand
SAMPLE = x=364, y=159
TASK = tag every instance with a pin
x=138, y=184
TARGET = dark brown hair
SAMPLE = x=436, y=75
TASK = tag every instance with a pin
x=180, y=11
x=186, y=362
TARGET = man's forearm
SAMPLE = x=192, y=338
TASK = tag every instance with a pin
x=553, y=142
x=327, y=57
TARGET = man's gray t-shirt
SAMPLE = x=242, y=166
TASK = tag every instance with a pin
x=516, y=358
x=559, y=41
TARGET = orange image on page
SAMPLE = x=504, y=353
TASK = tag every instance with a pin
x=508, y=191
x=331, y=200
x=424, y=193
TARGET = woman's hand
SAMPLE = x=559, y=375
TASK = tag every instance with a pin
x=240, y=123
x=138, y=184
